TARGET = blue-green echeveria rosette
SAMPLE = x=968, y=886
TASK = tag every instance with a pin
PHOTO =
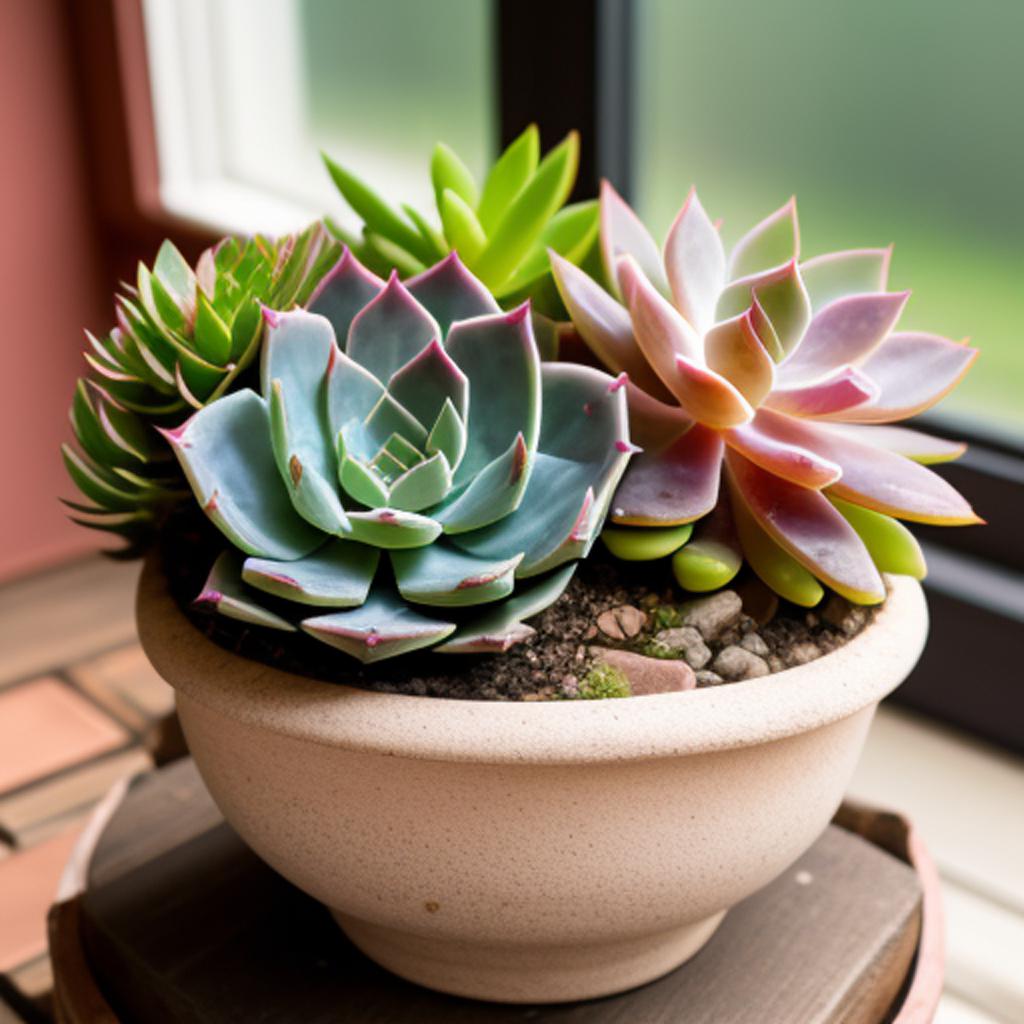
x=412, y=474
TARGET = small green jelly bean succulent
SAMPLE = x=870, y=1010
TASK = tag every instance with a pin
x=501, y=231
x=412, y=474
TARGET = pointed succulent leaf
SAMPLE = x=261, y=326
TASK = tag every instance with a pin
x=778, y=569
x=159, y=304
x=913, y=444
x=96, y=483
x=378, y=216
x=508, y=177
x=380, y=251
x=449, y=173
x=391, y=329
x=524, y=219
x=891, y=545
x=776, y=240
x=571, y=233
x=176, y=276
x=837, y=394
x=448, y=435
x=444, y=576
x=675, y=484
x=343, y=292
x=852, y=272
x=500, y=626
x=387, y=419
x=582, y=452
x=225, y=454
x=352, y=395
x=708, y=397
x=733, y=349
x=429, y=233
x=338, y=575
x=383, y=627
x=495, y=492
x=393, y=529
x=782, y=296
x=226, y=593
x=644, y=545
x=695, y=263
x=913, y=372
x=767, y=443
x=846, y=331
x=427, y=381
x=623, y=234
x=359, y=479
x=422, y=486
x=212, y=336
x=449, y=292
x=461, y=228
x=805, y=525
x=500, y=359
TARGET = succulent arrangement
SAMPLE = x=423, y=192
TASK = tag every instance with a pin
x=779, y=378
x=412, y=474
x=501, y=230
x=381, y=435
x=184, y=337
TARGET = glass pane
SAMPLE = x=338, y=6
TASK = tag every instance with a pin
x=892, y=122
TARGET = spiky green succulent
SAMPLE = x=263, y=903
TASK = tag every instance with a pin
x=183, y=338
x=501, y=231
x=412, y=475
x=762, y=388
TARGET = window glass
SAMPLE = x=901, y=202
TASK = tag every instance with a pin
x=892, y=122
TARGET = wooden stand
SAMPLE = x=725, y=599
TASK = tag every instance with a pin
x=177, y=921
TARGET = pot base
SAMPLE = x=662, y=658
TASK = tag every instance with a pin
x=510, y=973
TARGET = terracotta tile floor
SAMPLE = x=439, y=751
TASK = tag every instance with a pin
x=79, y=709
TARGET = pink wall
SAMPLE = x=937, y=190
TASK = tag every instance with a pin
x=53, y=277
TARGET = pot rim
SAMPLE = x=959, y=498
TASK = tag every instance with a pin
x=756, y=711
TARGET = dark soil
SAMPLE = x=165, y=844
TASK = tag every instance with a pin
x=553, y=662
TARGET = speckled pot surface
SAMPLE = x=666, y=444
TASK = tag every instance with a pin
x=528, y=852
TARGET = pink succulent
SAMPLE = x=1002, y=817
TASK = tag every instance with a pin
x=785, y=373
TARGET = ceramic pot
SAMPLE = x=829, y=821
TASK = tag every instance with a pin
x=528, y=852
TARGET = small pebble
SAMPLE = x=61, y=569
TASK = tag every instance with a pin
x=648, y=675
x=847, y=617
x=734, y=663
x=812, y=620
x=622, y=622
x=775, y=663
x=712, y=615
x=570, y=685
x=752, y=642
x=802, y=653
x=709, y=678
x=686, y=641
x=590, y=633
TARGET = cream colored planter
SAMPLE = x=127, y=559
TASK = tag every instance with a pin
x=528, y=852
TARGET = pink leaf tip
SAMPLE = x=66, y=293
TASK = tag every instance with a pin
x=271, y=317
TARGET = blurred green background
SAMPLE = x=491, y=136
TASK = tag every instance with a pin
x=891, y=121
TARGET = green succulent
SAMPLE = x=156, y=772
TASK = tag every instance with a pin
x=183, y=338
x=501, y=231
x=428, y=482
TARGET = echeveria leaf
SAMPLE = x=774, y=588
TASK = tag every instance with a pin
x=782, y=296
x=705, y=564
x=776, y=240
x=427, y=381
x=343, y=292
x=507, y=178
x=695, y=263
x=383, y=627
x=393, y=529
x=494, y=492
x=733, y=349
x=422, y=486
x=623, y=234
x=852, y=272
x=499, y=357
x=448, y=435
x=911, y=443
x=338, y=575
x=229, y=463
x=390, y=330
x=449, y=292
x=225, y=592
x=838, y=393
x=499, y=627
x=442, y=575
x=212, y=336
